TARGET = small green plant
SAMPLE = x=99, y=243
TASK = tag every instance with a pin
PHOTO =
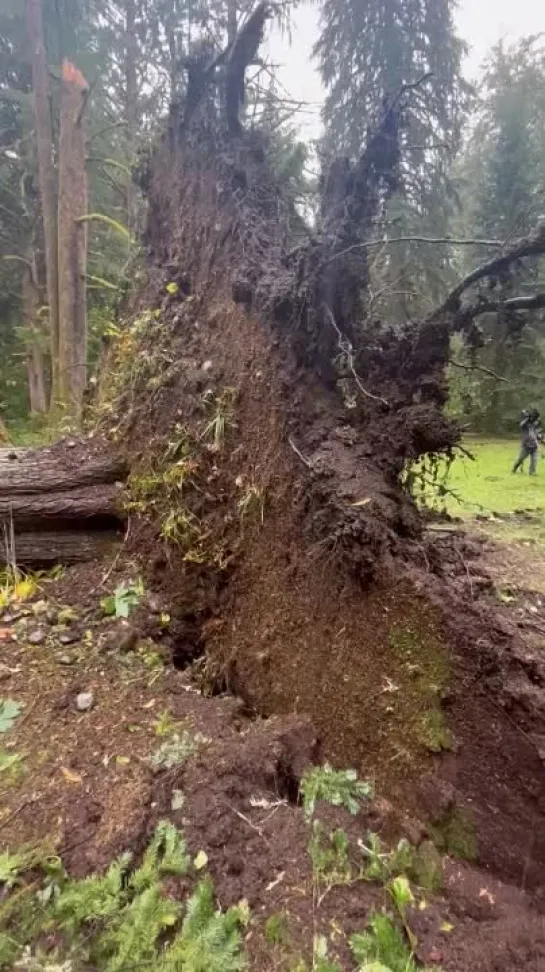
x=253, y=501
x=172, y=288
x=276, y=929
x=382, y=864
x=382, y=948
x=222, y=417
x=9, y=712
x=341, y=788
x=174, y=751
x=124, y=600
x=329, y=856
x=165, y=724
x=11, y=766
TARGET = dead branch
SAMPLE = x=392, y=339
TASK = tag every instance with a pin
x=370, y=244
x=531, y=245
x=485, y=371
x=484, y=306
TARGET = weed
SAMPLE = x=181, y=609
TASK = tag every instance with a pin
x=222, y=407
x=11, y=766
x=253, y=501
x=381, y=864
x=329, y=856
x=9, y=711
x=276, y=929
x=383, y=948
x=165, y=724
x=125, y=598
x=341, y=788
x=175, y=750
x=16, y=586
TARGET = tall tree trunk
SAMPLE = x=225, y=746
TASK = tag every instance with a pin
x=131, y=89
x=231, y=21
x=72, y=234
x=35, y=360
x=46, y=172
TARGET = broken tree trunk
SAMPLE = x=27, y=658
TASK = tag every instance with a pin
x=70, y=500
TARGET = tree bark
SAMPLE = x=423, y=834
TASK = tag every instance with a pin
x=131, y=95
x=35, y=361
x=28, y=471
x=31, y=510
x=72, y=241
x=46, y=174
x=58, y=547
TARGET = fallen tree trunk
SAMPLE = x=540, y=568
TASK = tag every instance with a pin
x=68, y=496
x=24, y=471
x=63, y=547
x=101, y=502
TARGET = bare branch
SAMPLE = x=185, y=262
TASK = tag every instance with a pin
x=435, y=241
x=531, y=245
x=485, y=371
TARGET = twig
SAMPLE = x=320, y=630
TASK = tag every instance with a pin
x=345, y=347
x=370, y=244
x=485, y=371
x=299, y=453
x=247, y=820
x=115, y=561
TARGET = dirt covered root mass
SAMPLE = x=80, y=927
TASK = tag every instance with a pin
x=86, y=788
x=408, y=678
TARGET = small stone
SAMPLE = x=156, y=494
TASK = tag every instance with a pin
x=207, y=365
x=435, y=956
x=68, y=637
x=71, y=444
x=36, y=637
x=66, y=659
x=85, y=701
x=154, y=604
x=12, y=616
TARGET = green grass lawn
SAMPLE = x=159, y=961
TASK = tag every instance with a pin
x=487, y=486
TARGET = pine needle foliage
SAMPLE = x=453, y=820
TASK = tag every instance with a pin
x=129, y=918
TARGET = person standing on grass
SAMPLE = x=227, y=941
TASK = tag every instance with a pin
x=530, y=436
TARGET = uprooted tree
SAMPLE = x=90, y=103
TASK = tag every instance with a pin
x=218, y=219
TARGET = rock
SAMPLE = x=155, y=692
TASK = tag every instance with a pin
x=85, y=701
x=36, y=637
x=12, y=616
x=207, y=365
x=154, y=604
x=123, y=638
x=68, y=637
x=66, y=659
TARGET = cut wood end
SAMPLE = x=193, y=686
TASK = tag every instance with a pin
x=72, y=75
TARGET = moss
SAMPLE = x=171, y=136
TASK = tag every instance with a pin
x=426, y=868
x=455, y=834
x=433, y=732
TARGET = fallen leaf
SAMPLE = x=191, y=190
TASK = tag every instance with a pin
x=122, y=760
x=447, y=927
x=200, y=861
x=362, y=502
x=71, y=777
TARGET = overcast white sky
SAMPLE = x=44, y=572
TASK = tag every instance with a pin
x=480, y=22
